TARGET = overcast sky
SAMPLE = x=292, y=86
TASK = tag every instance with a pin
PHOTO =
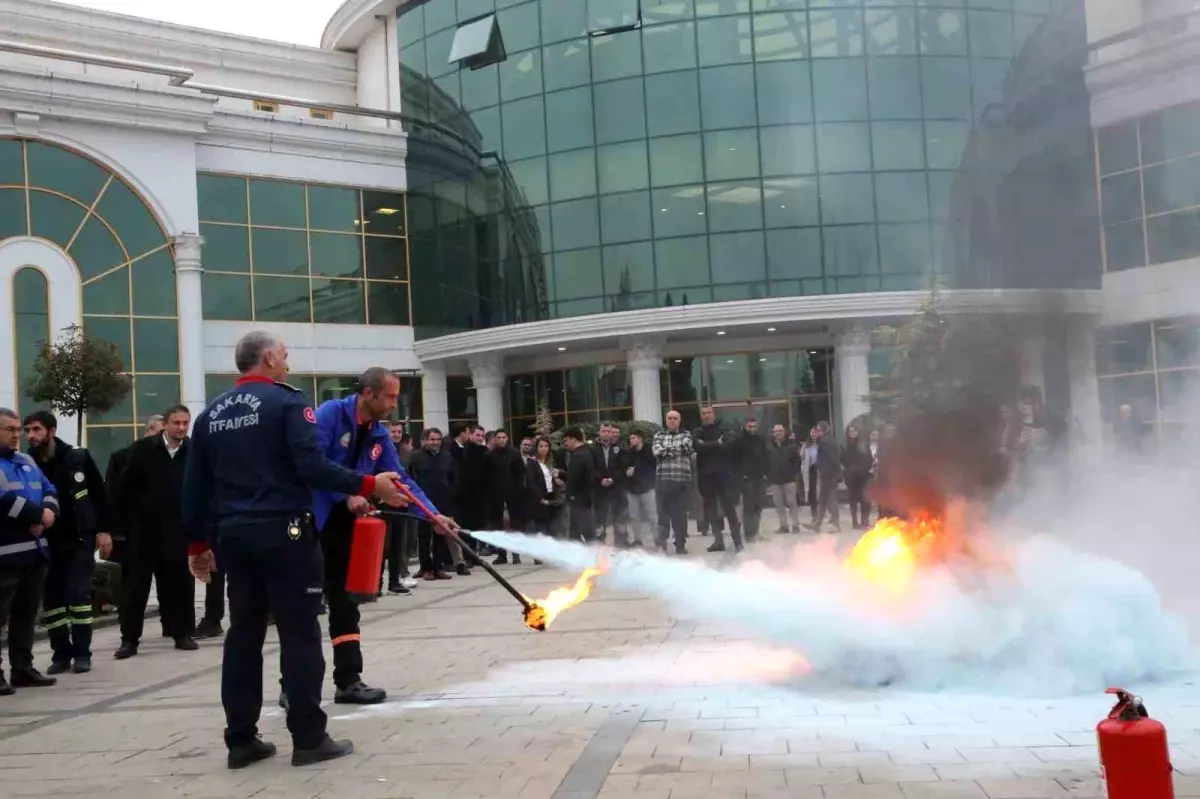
x=295, y=21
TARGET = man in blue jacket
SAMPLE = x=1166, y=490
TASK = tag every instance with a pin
x=28, y=506
x=352, y=433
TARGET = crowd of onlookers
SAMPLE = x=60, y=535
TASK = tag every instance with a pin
x=644, y=486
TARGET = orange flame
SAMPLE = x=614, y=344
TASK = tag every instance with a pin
x=890, y=552
x=544, y=611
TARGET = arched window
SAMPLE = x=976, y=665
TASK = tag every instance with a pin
x=125, y=263
x=31, y=312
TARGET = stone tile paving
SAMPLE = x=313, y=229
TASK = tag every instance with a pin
x=616, y=701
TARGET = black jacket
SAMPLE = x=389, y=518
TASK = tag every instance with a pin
x=581, y=477
x=612, y=470
x=149, y=499
x=437, y=475
x=713, y=455
x=505, y=473
x=469, y=498
x=81, y=497
x=856, y=462
x=783, y=462
x=644, y=469
x=829, y=458
x=535, y=492
x=750, y=457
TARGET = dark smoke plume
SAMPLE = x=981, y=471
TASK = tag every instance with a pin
x=954, y=372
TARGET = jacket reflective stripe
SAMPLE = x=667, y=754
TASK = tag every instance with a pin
x=12, y=549
x=10, y=485
x=17, y=506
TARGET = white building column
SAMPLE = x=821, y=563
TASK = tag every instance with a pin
x=1033, y=359
x=487, y=373
x=1084, y=386
x=850, y=358
x=644, y=358
x=188, y=278
x=435, y=404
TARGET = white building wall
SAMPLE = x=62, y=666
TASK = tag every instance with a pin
x=317, y=348
x=378, y=71
x=216, y=58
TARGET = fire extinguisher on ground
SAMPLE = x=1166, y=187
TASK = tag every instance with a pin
x=1135, y=760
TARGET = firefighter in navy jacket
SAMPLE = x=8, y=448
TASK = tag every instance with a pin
x=250, y=475
x=28, y=506
x=351, y=432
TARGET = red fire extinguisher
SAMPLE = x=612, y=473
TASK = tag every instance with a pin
x=366, y=559
x=1134, y=758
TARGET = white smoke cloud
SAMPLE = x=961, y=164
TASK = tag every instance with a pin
x=1058, y=621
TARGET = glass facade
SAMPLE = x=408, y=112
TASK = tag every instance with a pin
x=126, y=265
x=671, y=152
x=1150, y=188
x=1154, y=367
x=793, y=388
x=278, y=251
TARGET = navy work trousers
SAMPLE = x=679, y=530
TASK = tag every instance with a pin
x=286, y=580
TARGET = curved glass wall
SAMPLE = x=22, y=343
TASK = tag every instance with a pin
x=683, y=151
x=125, y=262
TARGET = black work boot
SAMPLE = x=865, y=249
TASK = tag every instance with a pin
x=5, y=688
x=30, y=678
x=359, y=693
x=249, y=754
x=328, y=749
x=126, y=650
x=59, y=667
x=82, y=665
x=186, y=643
x=208, y=629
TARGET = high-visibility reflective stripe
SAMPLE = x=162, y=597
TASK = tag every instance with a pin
x=10, y=485
x=81, y=621
x=81, y=608
x=81, y=494
x=352, y=638
x=12, y=549
x=17, y=506
x=51, y=502
x=55, y=612
x=60, y=623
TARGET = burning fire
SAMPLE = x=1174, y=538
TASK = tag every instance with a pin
x=890, y=552
x=544, y=611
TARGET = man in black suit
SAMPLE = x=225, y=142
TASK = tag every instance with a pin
x=610, y=504
x=581, y=485
x=149, y=505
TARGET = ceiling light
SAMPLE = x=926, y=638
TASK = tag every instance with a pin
x=720, y=332
x=762, y=360
x=729, y=361
x=770, y=330
x=386, y=211
x=562, y=349
x=678, y=360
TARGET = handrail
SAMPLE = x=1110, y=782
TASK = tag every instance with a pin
x=181, y=77
x=1141, y=30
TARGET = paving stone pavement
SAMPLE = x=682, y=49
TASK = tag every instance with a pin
x=618, y=700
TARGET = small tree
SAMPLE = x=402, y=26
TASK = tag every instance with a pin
x=78, y=375
x=543, y=423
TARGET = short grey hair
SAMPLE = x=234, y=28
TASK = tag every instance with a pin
x=9, y=413
x=153, y=420
x=248, y=353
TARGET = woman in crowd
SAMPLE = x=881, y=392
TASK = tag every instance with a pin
x=543, y=488
x=857, y=465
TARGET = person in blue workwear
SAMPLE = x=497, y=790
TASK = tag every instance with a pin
x=352, y=433
x=254, y=463
x=28, y=507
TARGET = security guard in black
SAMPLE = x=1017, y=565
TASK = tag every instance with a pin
x=252, y=468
